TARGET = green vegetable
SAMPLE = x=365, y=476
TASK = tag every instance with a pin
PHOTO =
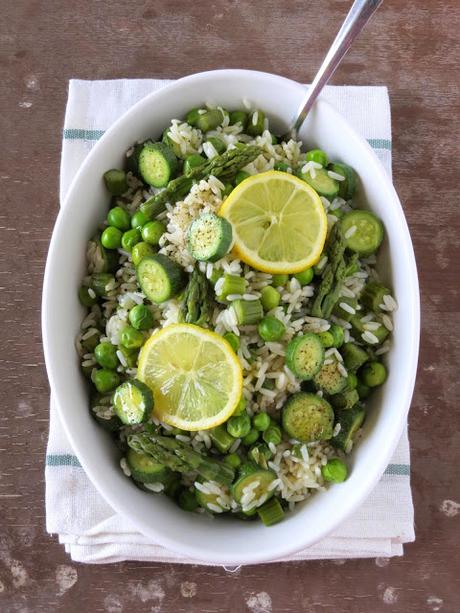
x=119, y=218
x=241, y=407
x=305, y=277
x=346, y=400
x=256, y=123
x=209, y=501
x=271, y=329
x=180, y=457
x=138, y=220
x=350, y=422
x=326, y=338
x=363, y=390
x=106, y=355
x=153, y=231
x=141, y=250
x=239, y=117
x=209, y=237
x=233, y=460
x=308, y=418
x=352, y=381
x=347, y=187
x=193, y=161
x=90, y=341
x=224, y=167
x=196, y=303
x=217, y=143
x=115, y=181
x=132, y=161
x=248, y=312
x=281, y=166
x=271, y=512
x=130, y=356
x=105, y=380
x=99, y=282
x=261, y=421
x=221, y=439
x=305, y=355
x=239, y=425
x=343, y=313
x=337, y=334
x=187, y=500
x=140, y=317
x=270, y=298
x=157, y=164
x=373, y=374
x=262, y=491
x=329, y=379
x=363, y=231
x=102, y=411
x=322, y=183
x=228, y=188
x=231, y=285
x=159, y=277
x=372, y=296
x=273, y=434
x=85, y=298
x=317, y=155
x=209, y=120
x=353, y=356
x=251, y=437
x=144, y=468
x=111, y=238
x=192, y=116
x=130, y=238
x=241, y=176
x=380, y=333
x=233, y=340
x=335, y=470
x=131, y=338
x=260, y=454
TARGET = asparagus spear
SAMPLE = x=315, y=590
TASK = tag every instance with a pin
x=196, y=304
x=181, y=457
x=224, y=166
x=334, y=273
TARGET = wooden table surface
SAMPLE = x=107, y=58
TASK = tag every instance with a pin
x=410, y=46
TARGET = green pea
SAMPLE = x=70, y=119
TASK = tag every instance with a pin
x=233, y=460
x=352, y=381
x=271, y=329
x=131, y=338
x=338, y=335
x=141, y=250
x=105, y=380
x=233, y=340
x=274, y=139
x=305, y=277
x=335, y=470
x=111, y=238
x=228, y=188
x=239, y=425
x=138, y=220
x=363, y=390
x=130, y=356
x=240, y=407
x=130, y=238
x=261, y=421
x=240, y=176
x=251, y=437
x=140, y=317
x=152, y=232
x=279, y=280
x=256, y=123
x=209, y=120
x=193, y=161
x=100, y=281
x=115, y=181
x=373, y=374
x=217, y=143
x=187, y=500
x=239, y=117
x=85, y=297
x=317, y=155
x=192, y=116
x=270, y=298
x=272, y=435
x=326, y=338
x=119, y=218
x=281, y=166
x=106, y=355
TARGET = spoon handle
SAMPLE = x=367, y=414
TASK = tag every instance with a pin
x=359, y=14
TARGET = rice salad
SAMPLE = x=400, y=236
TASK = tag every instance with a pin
x=235, y=323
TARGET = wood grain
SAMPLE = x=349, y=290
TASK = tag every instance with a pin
x=413, y=48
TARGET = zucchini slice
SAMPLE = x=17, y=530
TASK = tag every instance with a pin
x=133, y=402
x=159, y=277
x=209, y=237
x=350, y=422
x=308, y=418
x=363, y=231
x=145, y=469
x=330, y=379
x=323, y=184
x=157, y=164
x=305, y=355
x=346, y=188
x=354, y=356
x=258, y=482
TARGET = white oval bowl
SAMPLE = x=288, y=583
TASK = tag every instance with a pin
x=226, y=541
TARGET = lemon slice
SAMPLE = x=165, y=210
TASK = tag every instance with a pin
x=279, y=223
x=194, y=374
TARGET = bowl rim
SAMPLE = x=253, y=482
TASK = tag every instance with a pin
x=52, y=368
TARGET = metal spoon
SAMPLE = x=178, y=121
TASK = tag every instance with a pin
x=358, y=16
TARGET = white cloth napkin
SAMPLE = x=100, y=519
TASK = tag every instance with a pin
x=87, y=526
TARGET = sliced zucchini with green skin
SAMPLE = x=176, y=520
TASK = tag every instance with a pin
x=344, y=314
x=346, y=188
x=133, y=402
x=346, y=400
x=145, y=469
x=305, y=355
x=102, y=411
x=329, y=379
x=115, y=181
x=209, y=120
x=217, y=143
x=380, y=333
x=157, y=164
x=262, y=491
x=372, y=296
x=323, y=184
x=209, y=237
x=160, y=278
x=271, y=512
x=363, y=231
x=209, y=501
x=221, y=439
x=308, y=418
x=350, y=422
x=132, y=162
x=354, y=356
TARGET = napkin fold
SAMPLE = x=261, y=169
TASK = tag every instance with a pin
x=86, y=525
